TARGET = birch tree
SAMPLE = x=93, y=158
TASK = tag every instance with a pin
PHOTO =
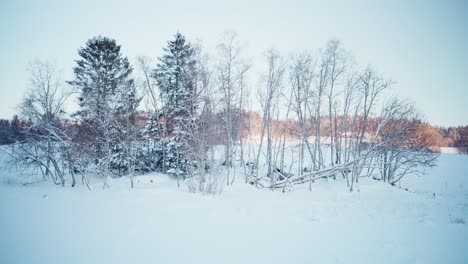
x=230, y=74
x=268, y=99
x=337, y=64
x=402, y=150
x=301, y=78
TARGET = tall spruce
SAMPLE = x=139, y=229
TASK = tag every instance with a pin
x=107, y=97
x=175, y=77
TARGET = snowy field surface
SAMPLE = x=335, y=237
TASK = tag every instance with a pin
x=159, y=223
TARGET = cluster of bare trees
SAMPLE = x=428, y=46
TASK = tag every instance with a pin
x=345, y=124
x=322, y=117
x=45, y=144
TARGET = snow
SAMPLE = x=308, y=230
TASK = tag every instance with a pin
x=159, y=223
x=452, y=150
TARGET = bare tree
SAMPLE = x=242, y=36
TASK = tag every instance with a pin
x=44, y=138
x=230, y=74
x=150, y=90
x=301, y=78
x=371, y=85
x=203, y=177
x=337, y=62
x=268, y=99
x=345, y=138
x=322, y=82
x=402, y=149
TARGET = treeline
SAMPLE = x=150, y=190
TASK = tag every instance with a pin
x=436, y=136
x=10, y=130
x=453, y=136
x=336, y=114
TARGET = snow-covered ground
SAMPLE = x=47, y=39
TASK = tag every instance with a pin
x=159, y=223
x=452, y=150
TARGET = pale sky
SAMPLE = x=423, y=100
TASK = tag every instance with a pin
x=419, y=44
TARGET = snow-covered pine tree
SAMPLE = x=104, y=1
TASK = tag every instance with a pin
x=154, y=142
x=107, y=97
x=175, y=77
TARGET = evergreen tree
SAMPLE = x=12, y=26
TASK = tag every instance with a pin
x=175, y=77
x=154, y=137
x=5, y=132
x=103, y=80
x=15, y=130
x=107, y=96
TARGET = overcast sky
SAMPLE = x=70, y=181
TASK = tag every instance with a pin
x=422, y=45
